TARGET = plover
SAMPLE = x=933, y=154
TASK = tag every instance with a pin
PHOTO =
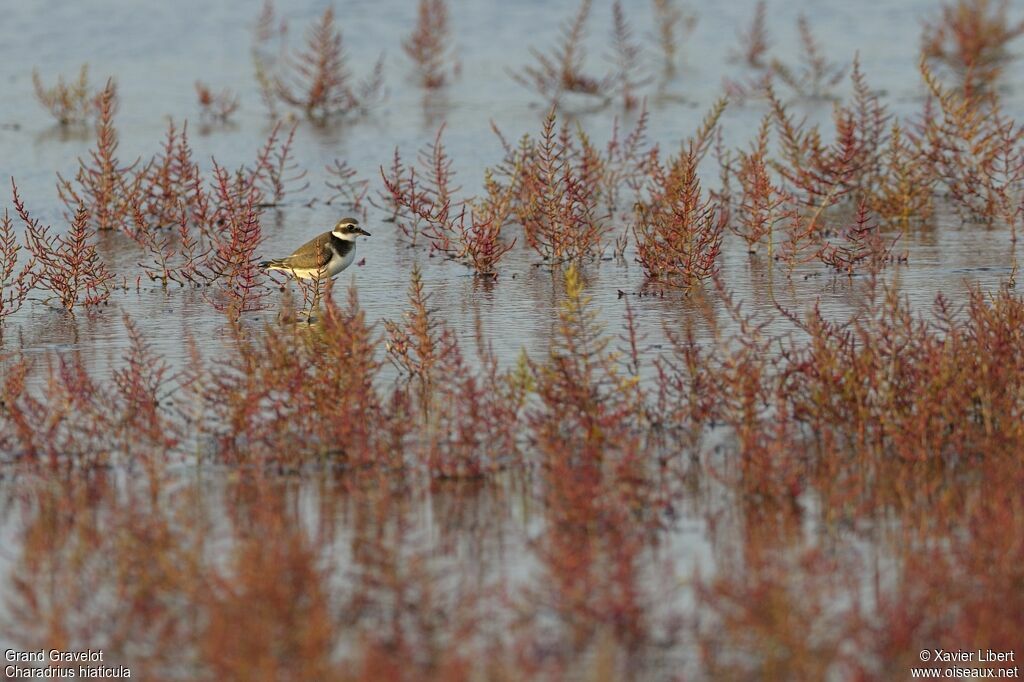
x=323, y=257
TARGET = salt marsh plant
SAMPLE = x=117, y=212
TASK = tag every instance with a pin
x=560, y=71
x=467, y=418
x=215, y=107
x=557, y=178
x=68, y=265
x=102, y=185
x=317, y=81
x=71, y=103
x=678, y=228
x=762, y=203
x=349, y=190
x=856, y=475
x=629, y=73
x=15, y=282
x=973, y=149
x=972, y=37
x=425, y=200
x=673, y=24
x=234, y=260
x=814, y=75
x=429, y=45
x=754, y=41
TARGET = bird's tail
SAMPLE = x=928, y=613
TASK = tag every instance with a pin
x=266, y=264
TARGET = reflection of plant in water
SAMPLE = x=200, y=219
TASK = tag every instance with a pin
x=628, y=57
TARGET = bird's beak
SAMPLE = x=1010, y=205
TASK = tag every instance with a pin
x=362, y=231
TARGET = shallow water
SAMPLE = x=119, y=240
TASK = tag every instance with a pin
x=157, y=50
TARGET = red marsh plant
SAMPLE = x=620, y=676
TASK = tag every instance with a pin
x=814, y=76
x=558, y=185
x=673, y=24
x=102, y=185
x=73, y=102
x=175, y=255
x=974, y=152
x=68, y=265
x=429, y=45
x=172, y=206
x=425, y=202
x=624, y=163
x=419, y=345
x=15, y=282
x=822, y=173
x=906, y=183
x=425, y=196
x=732, y=381
x=589, y=418
x=233, y=261
x=894, y=384
x=560, y=71
x=762, y=203
x=972, y=37
x=348, y=189
x=275, y=173
x=317, y=79
x=678, y=230
x=627, y=56
x=180, y=220
x=860, y=245
x=754, y=41
x=215, y=107
x=401, y=189
x=169, y=185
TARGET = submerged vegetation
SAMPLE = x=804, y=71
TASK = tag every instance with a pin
x=340, y=498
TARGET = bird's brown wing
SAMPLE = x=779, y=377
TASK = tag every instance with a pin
x=313, y=254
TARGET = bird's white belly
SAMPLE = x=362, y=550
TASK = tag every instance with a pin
x=333, y=267
x=337, y=264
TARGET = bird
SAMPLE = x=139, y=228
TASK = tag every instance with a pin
x=322, y=257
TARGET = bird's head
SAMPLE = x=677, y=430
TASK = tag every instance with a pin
x=348, y=229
